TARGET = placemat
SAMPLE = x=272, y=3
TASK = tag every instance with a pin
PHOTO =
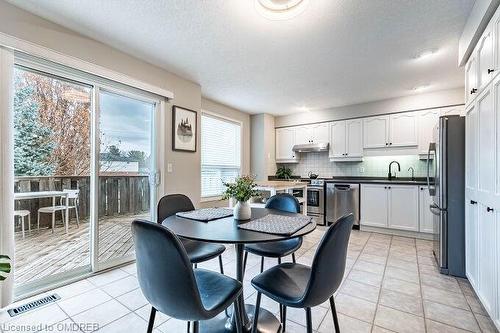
x=277, y=224
x=206, y=214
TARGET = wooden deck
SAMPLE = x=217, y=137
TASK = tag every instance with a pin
x=43, y=253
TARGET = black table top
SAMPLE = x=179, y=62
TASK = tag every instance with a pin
x=226, y=230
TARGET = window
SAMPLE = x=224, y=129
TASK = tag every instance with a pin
x=220, y=153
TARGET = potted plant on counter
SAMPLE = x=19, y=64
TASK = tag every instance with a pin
x=242, y=190
x=283, y=173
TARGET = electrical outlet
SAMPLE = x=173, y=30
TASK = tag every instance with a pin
x=361, y=170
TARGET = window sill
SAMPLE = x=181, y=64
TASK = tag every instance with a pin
x=209, y=199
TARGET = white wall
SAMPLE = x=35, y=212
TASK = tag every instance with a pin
x=407, y=103
x=263, y=161
x=185, y=177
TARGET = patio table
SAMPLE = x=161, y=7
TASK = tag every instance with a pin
x=46, y=194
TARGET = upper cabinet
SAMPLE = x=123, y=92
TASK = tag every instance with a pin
x=312, y=133
x=346, y=140
x=285, y=140
x=427, y=120
x=376, y=132
x=403, y=129
x=470, y=79
x=484, y=55
x=397, y=130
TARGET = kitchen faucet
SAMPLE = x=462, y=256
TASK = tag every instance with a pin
x=412, y=173
x=389, y=175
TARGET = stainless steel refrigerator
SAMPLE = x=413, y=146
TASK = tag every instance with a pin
x=446, y=183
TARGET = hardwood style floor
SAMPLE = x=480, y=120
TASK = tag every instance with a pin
x=391, y=284
x=42, y=253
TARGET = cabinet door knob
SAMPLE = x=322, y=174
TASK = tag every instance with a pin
x=490, y=70
x=472, y=202
x=473, y=91
x=386, y=144
x=385, y=187
x=489, y=209
x=390, y=144
x=421, y=189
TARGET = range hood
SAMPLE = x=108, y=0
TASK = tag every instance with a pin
x=311, y=147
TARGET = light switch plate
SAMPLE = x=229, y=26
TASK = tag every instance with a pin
x=169, y=167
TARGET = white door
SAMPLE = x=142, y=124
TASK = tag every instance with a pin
x=426, y=122
x=403, y=130
x=486, y=143
x=403, y=207
x=487, y=257
x=374, y=203
x=354, y=138
x=485, y=58
x=425, y=216
x=471, y=148
x=338, y=141
x=375, y=132
x=319, y=133
x=303, y=135
x=471, y=242
x=470, y=79
x=285, y=140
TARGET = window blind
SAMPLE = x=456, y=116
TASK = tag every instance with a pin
x=220, y=153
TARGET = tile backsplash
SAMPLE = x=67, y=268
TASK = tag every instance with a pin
x=371, y=166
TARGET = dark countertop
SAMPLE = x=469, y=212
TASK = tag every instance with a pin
x=367, y=180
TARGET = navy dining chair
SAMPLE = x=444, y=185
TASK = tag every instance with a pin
x=287, y=203
x=197, y=251
x=301, y=286
x=171, y=285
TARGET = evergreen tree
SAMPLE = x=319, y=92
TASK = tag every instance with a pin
x=32, y=140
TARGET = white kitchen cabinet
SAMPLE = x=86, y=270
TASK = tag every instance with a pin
x=471, y=148
x=485, y=67
x=470, y=79
x=285, y=140
x=403, y=130
x=487, y=258
x=486, y=140
x=376, y=132
x=427, y=120
x=403, y=207
x=346, y=140
x=338, y=139
x=374, y=204
x=425, y=216
x=471, y=242
x=311, y=134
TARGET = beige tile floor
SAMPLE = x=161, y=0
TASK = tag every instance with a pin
x=391, y=285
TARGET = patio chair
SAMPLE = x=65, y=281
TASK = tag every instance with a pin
x=65, y=202
x=22, y=214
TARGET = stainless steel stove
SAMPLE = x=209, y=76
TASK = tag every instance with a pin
x=316, y=200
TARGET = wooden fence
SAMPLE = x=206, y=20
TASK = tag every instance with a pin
x=117, y=195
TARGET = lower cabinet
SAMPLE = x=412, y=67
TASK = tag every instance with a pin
x=471, y=242
x=425, y=216
x=390, y=206
x=487, y=246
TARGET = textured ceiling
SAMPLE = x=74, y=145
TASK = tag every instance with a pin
x=334, y=53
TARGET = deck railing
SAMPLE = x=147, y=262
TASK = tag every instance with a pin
x=117, y=194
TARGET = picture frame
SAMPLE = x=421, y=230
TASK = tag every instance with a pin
x=184, y=129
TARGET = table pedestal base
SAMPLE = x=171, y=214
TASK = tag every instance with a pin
x=268, y=323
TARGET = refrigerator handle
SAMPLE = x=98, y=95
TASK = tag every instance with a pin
x=432, y=147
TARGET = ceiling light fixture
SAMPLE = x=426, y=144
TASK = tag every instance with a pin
x=280, y=9
x=425, y=55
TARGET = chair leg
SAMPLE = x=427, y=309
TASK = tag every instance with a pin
x=283, y=320
x=195, y=265
x=38, y=222
x=279, y=261
x=53, y=221
x=77, y=217
x=22, y=224
x=189, y=327
x=256, y=313
x=293, y=258
x=151, y=320
x=220, y=265
x=196, y=326
x=262, y=264
x=29, y=222
x=309, y=320
x=239, y=324
x=334, y=314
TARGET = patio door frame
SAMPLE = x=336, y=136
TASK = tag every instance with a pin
x=154, y=175
x=48, y=68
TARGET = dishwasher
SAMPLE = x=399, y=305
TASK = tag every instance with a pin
x=342, y=199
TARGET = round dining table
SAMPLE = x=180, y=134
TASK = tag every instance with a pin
x=226, y=231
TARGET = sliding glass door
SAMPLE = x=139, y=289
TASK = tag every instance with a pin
x=126, y=162
x=84, y=159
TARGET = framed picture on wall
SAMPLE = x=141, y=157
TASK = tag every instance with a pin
x=184, y=129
